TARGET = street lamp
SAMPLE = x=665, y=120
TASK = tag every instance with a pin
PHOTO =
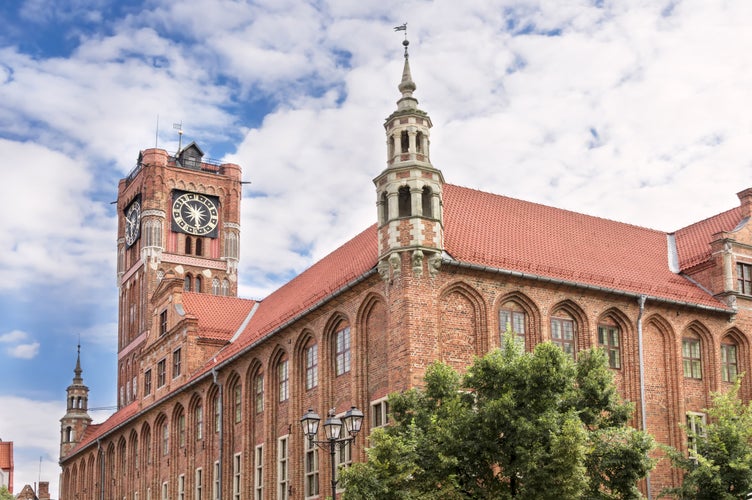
x=333, y=433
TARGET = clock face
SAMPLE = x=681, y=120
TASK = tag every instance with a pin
x=196, y=214
x=132, y=223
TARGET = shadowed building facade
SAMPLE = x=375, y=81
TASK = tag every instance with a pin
x=211, y=387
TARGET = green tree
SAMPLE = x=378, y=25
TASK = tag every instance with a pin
x=5, y=494
x=517, y=425
x=720, y=466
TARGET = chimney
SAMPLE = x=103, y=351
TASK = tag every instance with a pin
x=745, y=197
x=44, y=490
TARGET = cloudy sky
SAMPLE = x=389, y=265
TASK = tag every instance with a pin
x=636, y=111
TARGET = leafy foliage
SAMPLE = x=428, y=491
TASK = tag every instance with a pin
x=721, y=466
x=517, y=425
x=5, y=494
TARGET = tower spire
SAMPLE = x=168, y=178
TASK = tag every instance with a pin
x=77, y=371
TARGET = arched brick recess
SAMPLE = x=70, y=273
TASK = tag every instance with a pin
x=462, y=326
x=735, y=336
x=627, y=377
x=582, y=334
x=373, y=322
x=696, y=392
x=338, y=393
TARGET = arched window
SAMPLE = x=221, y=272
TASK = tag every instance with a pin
x=198, y=284
x=427, y=199
x=512, y=318
x=225, y=287
x=258, y=396
x=283, y=379
x=215, y=286
x=729, y=360
x=165, y=438
x=404, y=141
x=342, y=356
x=187, y=283
x=384, y=214
x=692, y=356
x=188, y=245
x=419, y=142
x=609, y=339
x=199, y=246
x=563, y=334
x=403, y=195
x=68, y=434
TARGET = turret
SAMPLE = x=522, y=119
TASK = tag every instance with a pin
x=409, y=191
x=76, y=419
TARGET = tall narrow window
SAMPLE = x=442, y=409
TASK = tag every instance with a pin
x=147, y=382
x=165, y=495
x=744, y=278
x=199, y=284
x=258, y=476
x=181, y=430
x=225, y=288
x=282, y=469
x=342, y=351
x=284, y=380
x=238, y=403
x=404, y=141
x=259, y=396
x=427, y=202
x=729, y=363
x=236, y=476
x=312, y=366
x=176, y=363
x=187, y=282
x=311, y=469
x=215, y=286
x=188, y=245
x=199, y=246
x=199, y=423
x=696, y=424
x=217, y=414
x=215, y=483
x=199, y=486
x=379, y=413
x=165, y=439
x=163, y=322
x=512, y=318
x=161, y=369
x=562, y=334
x=384, y=208
x=343, y=457
x=181, y=487
x=608, y=340
x=691, y=357
x=404, y=202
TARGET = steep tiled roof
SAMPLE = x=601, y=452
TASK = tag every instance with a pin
x=481, y=229
x=344, y=265
x=95, y=430
x=500, y=232
x=218, y=317
x=693, y=242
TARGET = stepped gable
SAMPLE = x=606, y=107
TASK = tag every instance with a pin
x=335, y=271
x=505, y=233
x=693, y=241
x=218, y=317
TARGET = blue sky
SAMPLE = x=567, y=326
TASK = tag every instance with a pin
x=635, y=111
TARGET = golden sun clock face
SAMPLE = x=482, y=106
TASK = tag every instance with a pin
x=196, y=214
x=132, y=223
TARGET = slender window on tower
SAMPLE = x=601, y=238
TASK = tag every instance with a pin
x=427, y=198
x=188, y=245
x=403, y=196
x=384, y=209
x=199, y=284
x=404, y=141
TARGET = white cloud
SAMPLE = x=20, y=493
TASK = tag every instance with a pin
x=13, y=336
x=24, y=351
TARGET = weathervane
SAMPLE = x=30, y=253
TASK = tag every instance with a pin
x=403, y=27
x=179, y=128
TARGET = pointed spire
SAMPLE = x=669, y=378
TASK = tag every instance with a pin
x=77, y=371
x=407, y=85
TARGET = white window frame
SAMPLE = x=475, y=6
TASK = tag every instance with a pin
x=343, y=351
x=181, y=487
x=697, y=422
x=283, y=467
x=312, y=366
x=215, y=482
x=343, y=456
x=283, y=375
x=379, y=412
x=198, y=487
x=258, y=476
x=236, y=475
x=165, y=491
x=311, y=470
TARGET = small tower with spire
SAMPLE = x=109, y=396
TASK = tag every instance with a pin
x=76, y=419
x=409, y=190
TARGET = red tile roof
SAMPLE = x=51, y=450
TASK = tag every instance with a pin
x=500, y=232
x=481, y=229
x=218, y=317
x=96, y=430
x=693, y=241
x=6, y=455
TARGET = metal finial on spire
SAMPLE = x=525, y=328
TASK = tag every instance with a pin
x=78, y=370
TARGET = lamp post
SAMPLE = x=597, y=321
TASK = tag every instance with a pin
x=335, y=438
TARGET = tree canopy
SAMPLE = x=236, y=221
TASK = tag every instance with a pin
x=719, y=463
x=517, y=425
x=5, y=494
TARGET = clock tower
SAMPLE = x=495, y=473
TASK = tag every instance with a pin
x=178, y=217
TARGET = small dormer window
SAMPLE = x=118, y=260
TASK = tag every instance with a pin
x=190, y=157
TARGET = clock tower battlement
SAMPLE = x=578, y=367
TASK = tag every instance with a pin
x=178, y=215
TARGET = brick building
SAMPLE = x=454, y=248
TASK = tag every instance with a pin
x=211, y=387
x=6, y=464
